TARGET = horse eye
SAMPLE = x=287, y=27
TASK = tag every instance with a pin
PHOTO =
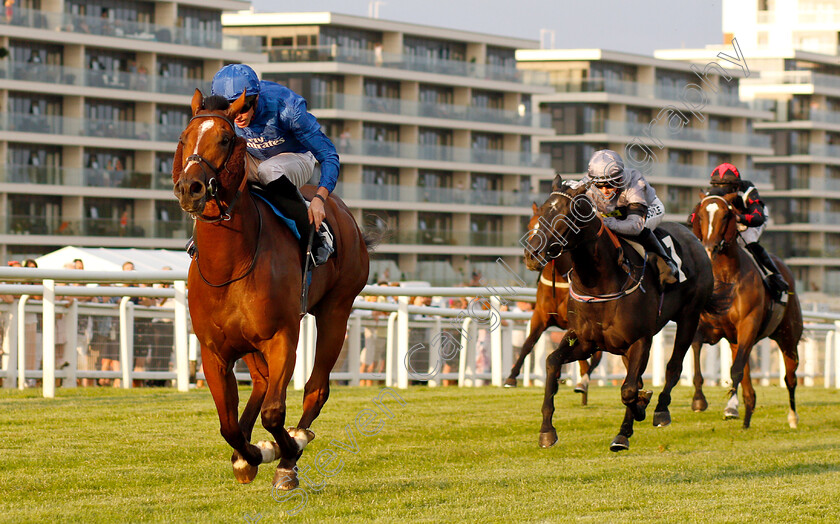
x=225, y=141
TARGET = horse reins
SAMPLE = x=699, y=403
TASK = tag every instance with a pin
x=212, y=183
x=224, y=213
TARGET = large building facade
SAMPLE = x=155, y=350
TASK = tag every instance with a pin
x=94, y=94
x=436, y=131
x=779, y=25
x=658, y=114
x=803, y=90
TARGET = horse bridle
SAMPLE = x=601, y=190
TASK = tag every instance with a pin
x=224, y=213
x=723, y=242
x=212, y=184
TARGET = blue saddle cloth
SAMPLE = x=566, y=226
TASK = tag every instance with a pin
x=289, y=222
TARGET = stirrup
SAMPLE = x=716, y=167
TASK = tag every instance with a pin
x=190, y=247
x=325, y=248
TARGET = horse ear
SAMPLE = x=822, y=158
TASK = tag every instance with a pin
x=177, y=163
x=197, y=103
x=236, y=106
x=695, y=224
x=558, y=182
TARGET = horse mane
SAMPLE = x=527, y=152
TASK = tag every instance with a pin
x=215, y=103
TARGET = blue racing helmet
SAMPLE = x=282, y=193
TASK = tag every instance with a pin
x=232, y=79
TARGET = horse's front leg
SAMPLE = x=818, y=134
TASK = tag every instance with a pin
x=280, y=355
x=747, y=331
x=686, y=329
x=222, y=384
x=635, y=400
x=586, y=367
x=698, y=403
x=564, y=353
x=538, y=326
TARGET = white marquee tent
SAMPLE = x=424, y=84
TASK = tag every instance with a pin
x=112, y=259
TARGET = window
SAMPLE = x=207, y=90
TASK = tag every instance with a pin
x=430, y=94
x=431, y=50
x=34, y=214
x=108, y=168
x=108, y=118
x=199, y=26
x=382, y=89
x=36, y=164
x=109, y=217
x=171, y=120
x=488, y=99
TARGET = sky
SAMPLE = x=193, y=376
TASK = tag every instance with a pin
x=639, y=26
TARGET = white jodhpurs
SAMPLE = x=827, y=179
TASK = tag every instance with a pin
x=297, y=167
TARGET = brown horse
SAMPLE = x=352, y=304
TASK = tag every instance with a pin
x=243, y=283
x=550, y=309
x=615, y=301
x=752, y=315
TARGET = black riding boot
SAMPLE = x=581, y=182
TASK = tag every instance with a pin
x=777, y=283
x=287, y=197
x=651, y=243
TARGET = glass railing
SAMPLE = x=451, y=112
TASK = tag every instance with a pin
x=819, y=150
x=68, y=126
x=336, y=53
x=88, y=177
x=29, y=225
x=630, y=88
x=437, y=195
x=138, y=31
x=820, y=115
x=691, y=134
x=794, y=77
x=661, y=132
x=831, y=218
x=434, y=237
x=71, y=76
x=441, y=153
x=396, y=106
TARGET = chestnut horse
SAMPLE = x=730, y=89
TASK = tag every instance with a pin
x=616, y=303
x=243, y=284
x=752, y=316
x=550, y=309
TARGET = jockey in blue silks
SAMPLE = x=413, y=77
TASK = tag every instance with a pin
x=284, y=141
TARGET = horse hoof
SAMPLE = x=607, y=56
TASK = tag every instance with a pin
x=581, y=388
x=793, y=419
x=645, y=396
x=285, y=479
x=620, y=443
x=548, y=438
x=699, y=404
x=510, y=383
x=730, y=413
x=242, y=471
x=661, y=419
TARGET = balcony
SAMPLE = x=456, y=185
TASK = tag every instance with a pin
x=398, y=107
x=71, y=76
x=85, y=177
x=439, y=237
x=405, y=151
x=437, y=195
x=103, y=227
x=136, y=32
x=831, y=218
x=637, y=129
x=89, y=127
x=642, y=90
x=794, y=78
x=407, y=62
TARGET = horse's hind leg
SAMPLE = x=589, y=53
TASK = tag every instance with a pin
x=698, y=403
x=222, y=384
x=788, y=344
x=332, y=325
x=749, y=395
x=586, y=367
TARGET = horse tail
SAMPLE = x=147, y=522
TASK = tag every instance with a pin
x=372, y=239
x=721, y=299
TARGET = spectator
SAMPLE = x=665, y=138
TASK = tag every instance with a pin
x=373, y=352
x=104, y=344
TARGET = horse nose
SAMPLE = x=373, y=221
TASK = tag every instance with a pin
x=191, y=189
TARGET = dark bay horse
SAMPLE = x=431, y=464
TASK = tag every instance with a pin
x=550, y=309
x=616, y=301
x=751, y=316
x=244, y=283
